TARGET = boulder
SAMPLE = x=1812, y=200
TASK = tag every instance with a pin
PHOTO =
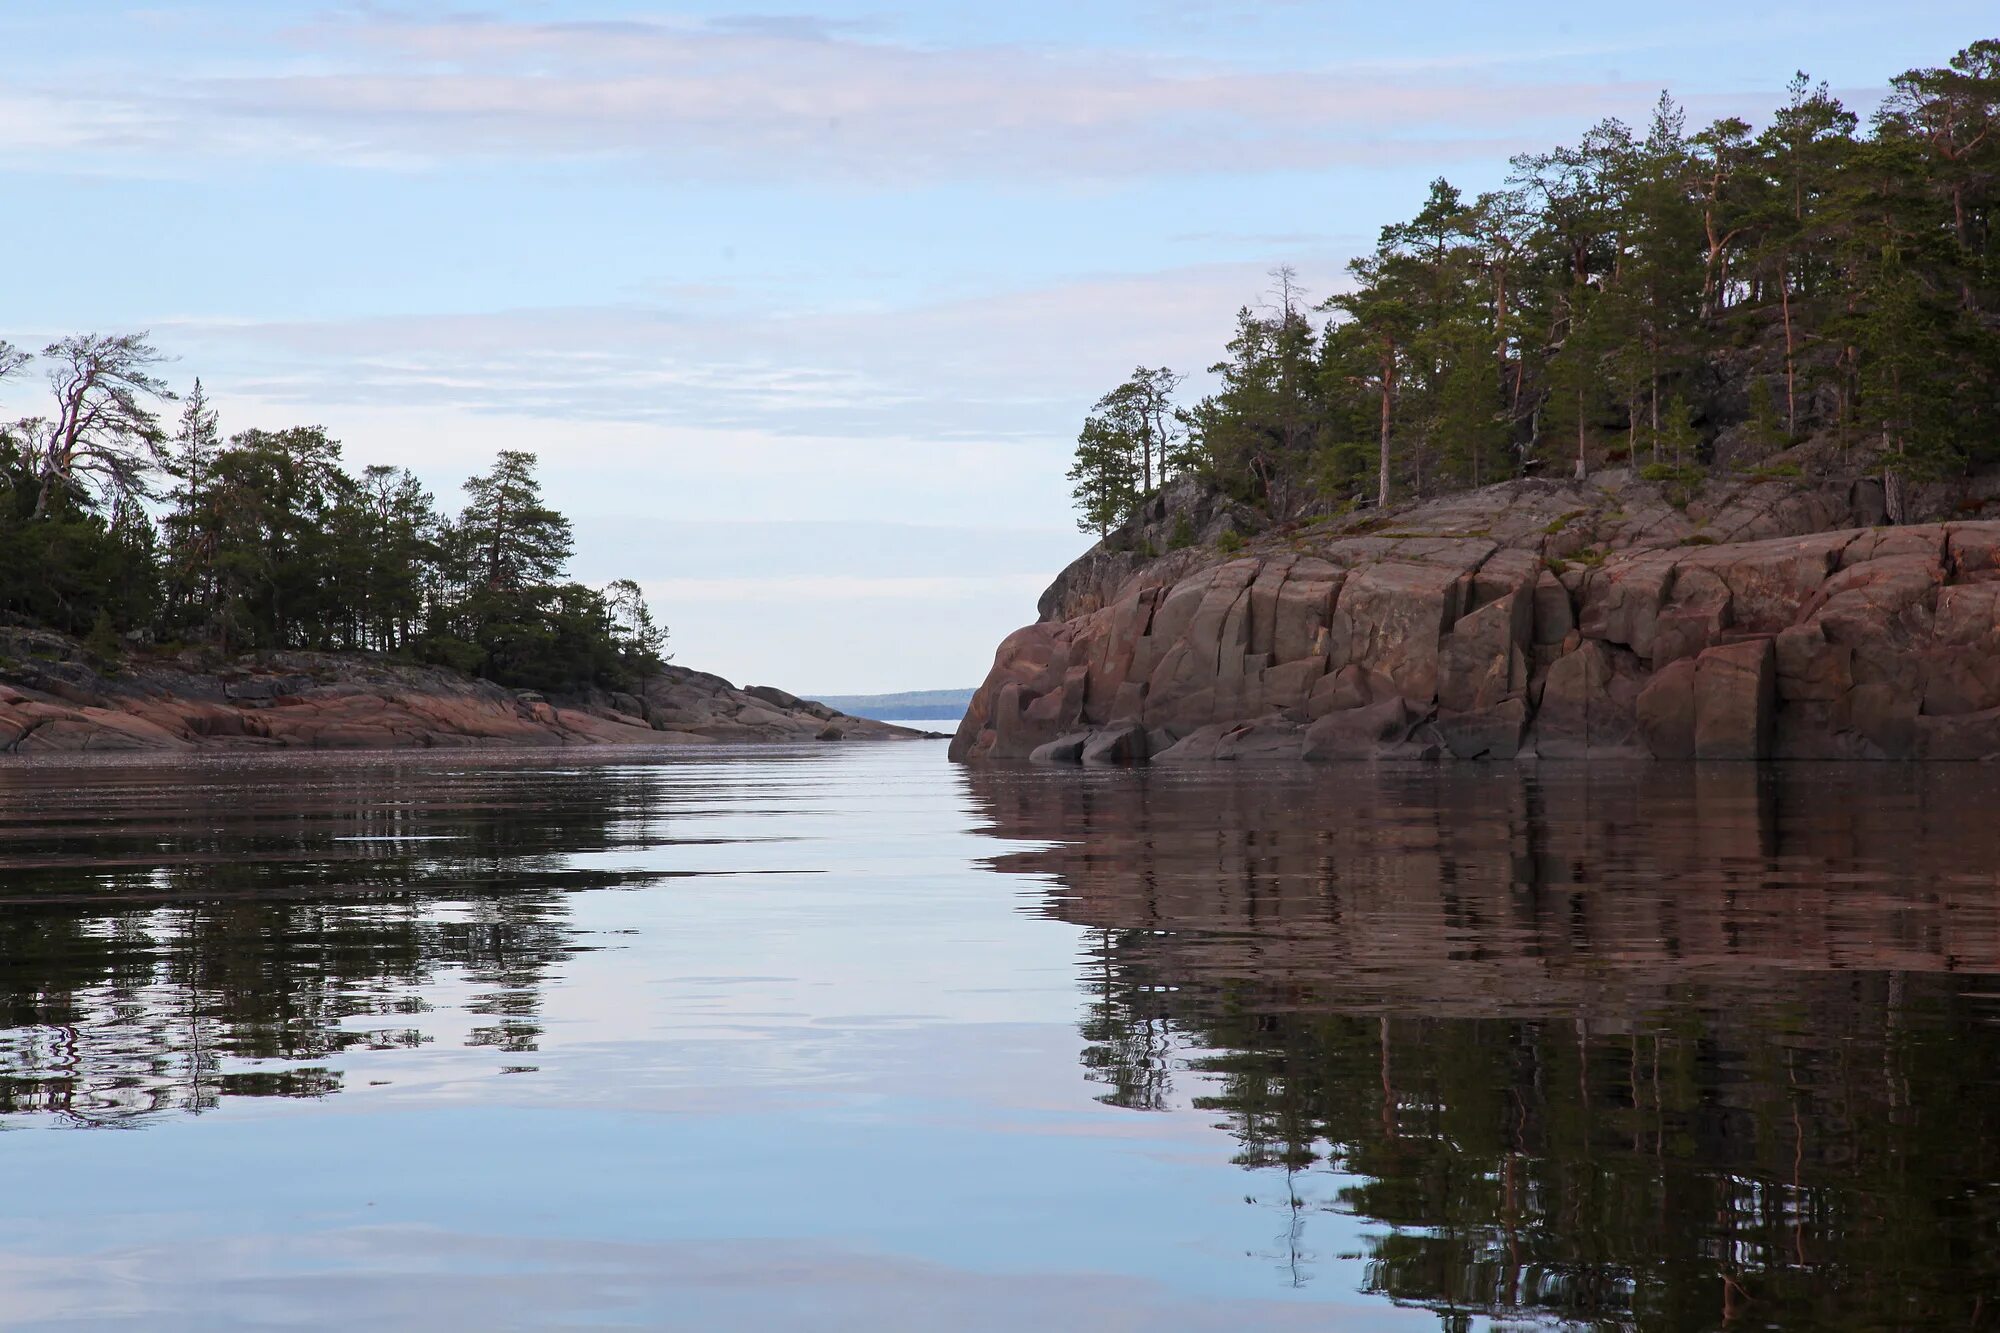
x=1770, y=581
x=1116, y=745
x=1554, y=616
x=1972, y=552
x=1390, y=618
x=1359, y=733
x=1197, y=746
x=1694, y=617
x=1666, y=711
x=774, y=696
x=1063, y=750
x=1349, y=687
x=1884, y=713
x=1735, y=697
x=1024, y=663
x=1810, y=667
x=1486, y=733
x=1302, y=611
x=1965, y=737
x=1622, y=601
x=1291, y=684
x=1263, y=741
x=1483, y=660
x=1968, y=615
x=1586, y=709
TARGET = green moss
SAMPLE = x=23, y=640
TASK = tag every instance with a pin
x=1679, y=483
x=1782, y=470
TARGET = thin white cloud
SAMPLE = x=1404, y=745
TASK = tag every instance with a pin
x=997, y=366
x=780, y=99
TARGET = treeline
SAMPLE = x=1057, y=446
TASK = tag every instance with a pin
x=1638, y=297
x=117, y=527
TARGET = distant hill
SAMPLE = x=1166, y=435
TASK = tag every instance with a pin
x=909, y=706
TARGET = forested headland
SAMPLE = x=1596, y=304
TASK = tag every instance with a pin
x=1808, y=296
x=140, y=527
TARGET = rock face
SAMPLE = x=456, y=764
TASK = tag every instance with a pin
x=1555, y=620
x=52, y=698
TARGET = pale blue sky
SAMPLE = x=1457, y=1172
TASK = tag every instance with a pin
x=801, y=309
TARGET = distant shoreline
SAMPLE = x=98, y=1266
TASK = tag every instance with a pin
x=909, y=706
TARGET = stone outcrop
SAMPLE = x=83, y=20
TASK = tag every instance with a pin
x=54, y=697
x=1571, y=620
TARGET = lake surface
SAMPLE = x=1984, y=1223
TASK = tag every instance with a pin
x=848, y=1038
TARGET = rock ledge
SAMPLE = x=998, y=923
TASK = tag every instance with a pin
x=1531, y=619
x=55, y=698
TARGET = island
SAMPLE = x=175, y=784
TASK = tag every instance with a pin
x=1682, y=444
x=181, y=591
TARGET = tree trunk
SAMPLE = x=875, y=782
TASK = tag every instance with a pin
x=1654, y=404
x=1388, y=392
x=1791, y=375
x=1581, y=469
x=1895, y=503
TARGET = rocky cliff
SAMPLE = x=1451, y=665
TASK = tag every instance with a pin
x=54, y=696
x=1756, y=618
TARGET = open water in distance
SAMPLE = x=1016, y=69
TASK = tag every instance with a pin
x=846, y=1038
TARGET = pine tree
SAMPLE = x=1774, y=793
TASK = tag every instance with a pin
x=516, y=539
x=1104, y=476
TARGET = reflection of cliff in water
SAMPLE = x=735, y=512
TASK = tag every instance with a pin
x=1657, y=1047
x=174, y=935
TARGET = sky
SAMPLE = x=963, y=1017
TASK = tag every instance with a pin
x=800, y=304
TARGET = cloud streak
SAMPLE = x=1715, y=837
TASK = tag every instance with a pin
x=999, y=366
x=787, y=100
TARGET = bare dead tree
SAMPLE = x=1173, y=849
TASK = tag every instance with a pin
x=104, y=436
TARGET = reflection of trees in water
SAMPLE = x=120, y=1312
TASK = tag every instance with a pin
x=1663, y=1049
x=166, y=933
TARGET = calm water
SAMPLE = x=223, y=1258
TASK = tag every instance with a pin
x=846, y=1038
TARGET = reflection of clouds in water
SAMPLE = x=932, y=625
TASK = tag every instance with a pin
x=411, y=1278
x=873, y=1046
x=1541, y=1042
x=397, y=929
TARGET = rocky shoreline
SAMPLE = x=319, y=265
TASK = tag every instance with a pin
x=1761, y=618
x=55, y=697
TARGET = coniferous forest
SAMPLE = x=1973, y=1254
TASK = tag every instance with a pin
x=132, y=525
x=1686, y=301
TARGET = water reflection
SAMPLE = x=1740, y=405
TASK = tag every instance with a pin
x=1664, y=1047
x=172, y=936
